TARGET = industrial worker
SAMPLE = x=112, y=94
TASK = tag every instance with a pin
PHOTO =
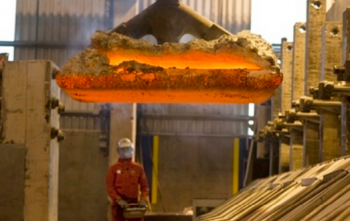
x=123, y=180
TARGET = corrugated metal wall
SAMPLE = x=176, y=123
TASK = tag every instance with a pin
x=57, y=30
x=82, y=168
x=194, y=120
x=55, y=23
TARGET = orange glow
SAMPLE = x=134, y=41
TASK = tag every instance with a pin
x=193, y=60
x=190, y=96
x=120, y=69
x=193, y=86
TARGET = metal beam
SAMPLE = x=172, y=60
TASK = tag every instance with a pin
x=196, y=135
x=196, y=117
x=42, y=44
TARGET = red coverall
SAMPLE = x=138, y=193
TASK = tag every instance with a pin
x=122, y=181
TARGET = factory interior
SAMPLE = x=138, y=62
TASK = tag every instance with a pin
x=237, y=109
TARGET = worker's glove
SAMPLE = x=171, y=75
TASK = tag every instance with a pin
x=143, y=204
x=122, y=203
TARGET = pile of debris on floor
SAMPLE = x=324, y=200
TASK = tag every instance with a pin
x=320, y=192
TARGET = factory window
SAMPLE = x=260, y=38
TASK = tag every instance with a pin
x=7, y=20
x=275, y=19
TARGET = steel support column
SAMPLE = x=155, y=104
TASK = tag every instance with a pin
x=331, y=53
x=316, y=16
x=30, y=98
x=311, y=131
x=287, y=51
x=296, y=149
x=284, y=161
x=346, y=35
x=330, y=143
x=298, y=69
x=344, y=149
x=286, y=61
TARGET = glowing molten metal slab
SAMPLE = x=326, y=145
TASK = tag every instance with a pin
x=231, y=69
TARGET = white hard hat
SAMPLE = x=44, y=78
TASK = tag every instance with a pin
x=125, y=143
